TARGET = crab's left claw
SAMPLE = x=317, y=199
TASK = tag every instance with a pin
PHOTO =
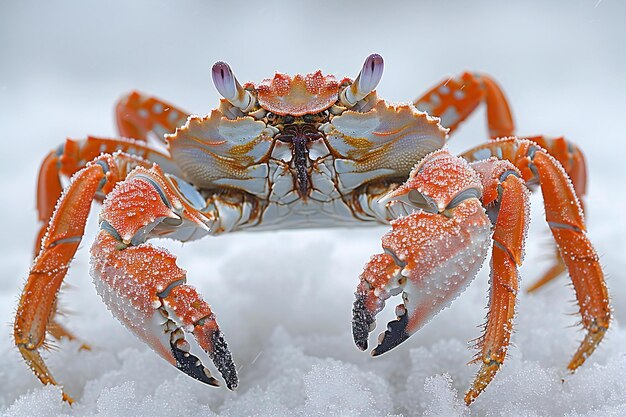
x=144, y=288
x=431, y=255
x=430, y=259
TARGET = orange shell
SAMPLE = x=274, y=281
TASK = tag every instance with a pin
x=301, y=95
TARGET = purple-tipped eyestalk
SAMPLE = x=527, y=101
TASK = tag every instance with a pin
x=228, y=86
x=365, y=82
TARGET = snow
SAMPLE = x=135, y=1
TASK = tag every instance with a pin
x=284, y=299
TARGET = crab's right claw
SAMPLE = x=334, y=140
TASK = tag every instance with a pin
x=145, y=290
x=430, y=258
x=142, y=285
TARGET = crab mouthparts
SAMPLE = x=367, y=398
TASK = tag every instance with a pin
x=299, y=136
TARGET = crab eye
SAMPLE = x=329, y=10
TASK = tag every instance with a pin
x=289, y=119
x=309, y=118
x=228, y=86
x=365, y=82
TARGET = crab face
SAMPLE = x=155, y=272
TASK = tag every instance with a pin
x=306, y=137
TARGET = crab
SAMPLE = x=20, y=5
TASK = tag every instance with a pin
x=309, y=151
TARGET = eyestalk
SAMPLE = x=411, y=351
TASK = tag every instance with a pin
x=365, y=82
x=227, y=85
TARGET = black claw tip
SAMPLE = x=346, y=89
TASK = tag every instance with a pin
x=223, y=360
x=192, y=366
x=361, y=322
x=393, y=336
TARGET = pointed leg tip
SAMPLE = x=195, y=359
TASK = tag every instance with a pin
x=587, y=347
x=486, y=373
x=470, y=396
x=67, y=398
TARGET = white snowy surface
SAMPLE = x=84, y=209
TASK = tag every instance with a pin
x=284, y=299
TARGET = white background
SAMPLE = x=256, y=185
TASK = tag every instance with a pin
x=284, y=299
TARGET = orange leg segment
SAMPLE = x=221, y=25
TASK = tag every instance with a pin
x=455, y=98
x=565, y=219
x=37, y=303
x=505, y=196
x=140, y=284
x=49, y=190
x=573, y=161
x=138, y=116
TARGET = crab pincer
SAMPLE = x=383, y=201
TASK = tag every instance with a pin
x=144, y=288
x=431, y=254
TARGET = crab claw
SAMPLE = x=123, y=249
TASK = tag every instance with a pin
x=145, y=290
x=428, y=257
x=142, y=285
x=228, y=86
x=365, y=82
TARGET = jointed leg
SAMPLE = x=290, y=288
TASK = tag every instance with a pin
x=455, y=98
x=37, y=305
x=431, y=254
x=506, y=199
x=565, y=218
x=567, y=225
x=142, y=285
x=72, y=157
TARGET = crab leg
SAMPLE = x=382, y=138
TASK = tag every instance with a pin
x=455, y=98
x=507, y=201
x=37, y=304
x=180, y=304
x=573, y=161
x=139, y=116
x=72, y=157
x=565, y=218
